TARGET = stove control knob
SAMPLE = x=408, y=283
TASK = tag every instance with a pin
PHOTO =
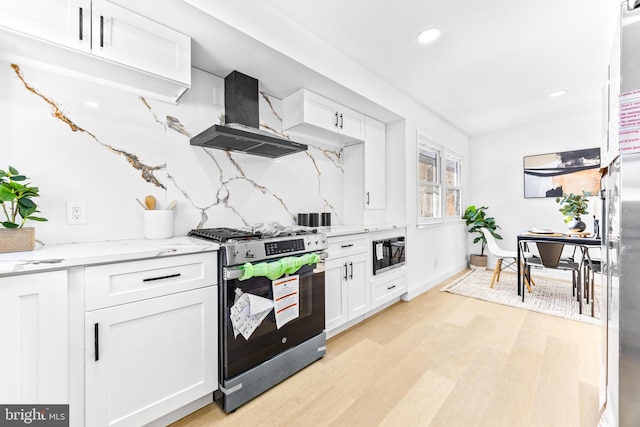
x=248, y=254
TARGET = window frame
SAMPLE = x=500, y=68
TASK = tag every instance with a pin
x=424, y=143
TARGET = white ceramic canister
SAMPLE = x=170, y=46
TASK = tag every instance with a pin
x=158, y=224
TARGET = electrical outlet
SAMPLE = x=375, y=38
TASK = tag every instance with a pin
x=218, y=97
x=76, y=213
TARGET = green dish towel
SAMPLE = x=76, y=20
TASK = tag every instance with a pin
x=276, y=269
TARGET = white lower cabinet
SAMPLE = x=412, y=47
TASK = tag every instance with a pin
x=388, y=286
x=34, y=325
x=147, y=358
x=346, y=281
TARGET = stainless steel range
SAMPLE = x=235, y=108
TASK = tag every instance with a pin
x=271, y=309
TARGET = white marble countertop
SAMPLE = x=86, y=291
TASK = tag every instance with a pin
x=343, y=230
x=75, y=254
x=67, y=255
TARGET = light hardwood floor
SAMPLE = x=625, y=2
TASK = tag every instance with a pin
x=438, y=360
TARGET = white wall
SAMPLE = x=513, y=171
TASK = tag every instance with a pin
x=497, y=173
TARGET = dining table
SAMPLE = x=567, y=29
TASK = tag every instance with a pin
x=582, y=242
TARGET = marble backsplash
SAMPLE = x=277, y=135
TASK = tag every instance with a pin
x=78, y=141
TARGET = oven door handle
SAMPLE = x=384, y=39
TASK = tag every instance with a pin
x=231, y=273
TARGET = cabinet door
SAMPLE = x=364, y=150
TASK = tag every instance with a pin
x=64, y=22
x=34, y=331
x=335, y=283
x=127, y=38
x=148, y=358
x=358, y=291
x=374, y=164
x=320, y=111
x=350, y=123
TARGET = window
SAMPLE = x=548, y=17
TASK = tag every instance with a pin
x=453, y=185
x=439, y=182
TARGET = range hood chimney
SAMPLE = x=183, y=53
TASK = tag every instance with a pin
x=242, y=133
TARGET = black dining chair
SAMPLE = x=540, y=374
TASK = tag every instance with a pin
x=550, y=256
x=591, y=267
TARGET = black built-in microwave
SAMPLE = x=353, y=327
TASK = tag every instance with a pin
x=387, y=254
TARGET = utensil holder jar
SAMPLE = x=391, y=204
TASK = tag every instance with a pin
x=158, y=224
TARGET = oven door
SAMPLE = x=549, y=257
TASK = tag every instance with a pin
x=239, y=354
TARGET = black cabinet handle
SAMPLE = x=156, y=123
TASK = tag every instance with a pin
x=80, y=23
x=391, y=287
x=368, y=200
x=96, y=342
x=351, y=275
x=101, y=31
x=345, y=271
x=151, y=279
x=346, y=246
x=341, y=121
x=336, y=119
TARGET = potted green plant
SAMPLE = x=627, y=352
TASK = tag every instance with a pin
x=16, y=197
x=572, y=206
x=476, y=218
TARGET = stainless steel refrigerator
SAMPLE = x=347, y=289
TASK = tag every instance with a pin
x=620, y=385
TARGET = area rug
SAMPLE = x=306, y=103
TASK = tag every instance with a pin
x=547, y=296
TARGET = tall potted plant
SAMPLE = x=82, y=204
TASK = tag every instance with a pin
x=476, y=218
x=572, y=206
x=16, y=197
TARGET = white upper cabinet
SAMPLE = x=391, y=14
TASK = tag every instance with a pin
x=63, y=22
x=316, y=116
x=127, y=38
x=374, y=164
x=350, y=123
x=98, y=41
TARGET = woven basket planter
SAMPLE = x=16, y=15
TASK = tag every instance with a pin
x=478, y=261
x=17, y=239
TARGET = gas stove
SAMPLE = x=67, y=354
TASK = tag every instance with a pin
x=222, y=235
x=240, y=246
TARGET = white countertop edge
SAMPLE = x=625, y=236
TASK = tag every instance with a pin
x=59, y=256
x=76, y=254
x=343, y=230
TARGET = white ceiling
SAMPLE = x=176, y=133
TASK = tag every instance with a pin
x=492, y=69
x=495, y=63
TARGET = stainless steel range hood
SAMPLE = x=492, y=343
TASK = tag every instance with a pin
x=242, y=133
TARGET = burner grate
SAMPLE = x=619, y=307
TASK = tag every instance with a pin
x=222, y=235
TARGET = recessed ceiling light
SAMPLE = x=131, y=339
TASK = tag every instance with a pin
x=558, y=93
x=429, y=35
x=91, y=104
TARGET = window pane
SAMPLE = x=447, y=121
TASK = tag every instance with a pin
x=428, y=165
x=452, y=171
x=429, y=206
x=454, y=206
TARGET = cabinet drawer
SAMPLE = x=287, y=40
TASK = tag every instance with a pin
x=387, y=288
x=347, y=245
x=112, y=284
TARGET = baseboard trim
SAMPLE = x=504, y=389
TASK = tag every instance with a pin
x=429, y=282
x=183, y=411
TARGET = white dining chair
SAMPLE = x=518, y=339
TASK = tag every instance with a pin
x=511, y=258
